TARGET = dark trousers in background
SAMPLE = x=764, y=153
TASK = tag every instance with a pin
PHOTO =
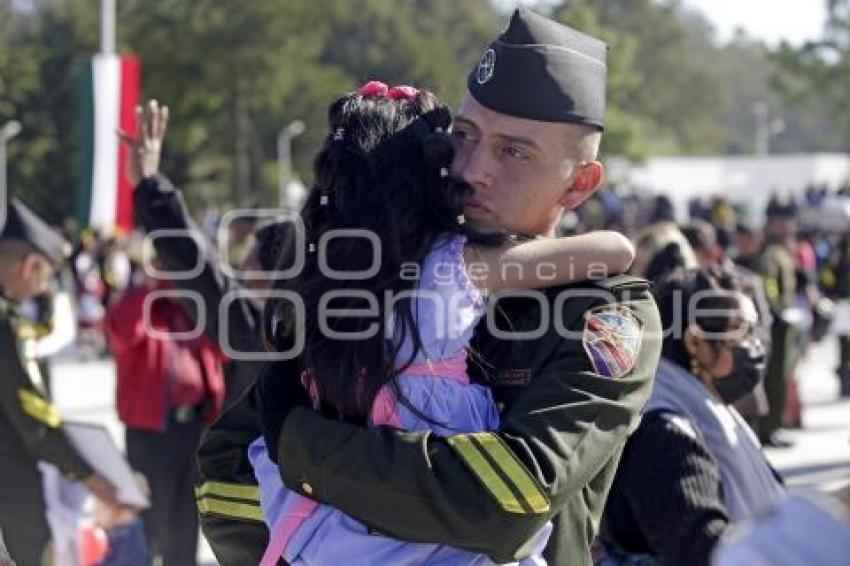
x=844, y=365
x=168, y=462
x=776, y=378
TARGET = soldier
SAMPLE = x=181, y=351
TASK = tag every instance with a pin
x=777, y=272
x=567, y=404
x=30, y=426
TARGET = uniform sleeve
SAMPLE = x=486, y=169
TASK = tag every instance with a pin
x=671, y=484
x=228, y=496
x=33, y=418
x=159, y=206
x=484, y=492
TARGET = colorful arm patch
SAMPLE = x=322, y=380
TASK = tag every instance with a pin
x=611, y=338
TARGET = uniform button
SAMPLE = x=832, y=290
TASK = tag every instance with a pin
x=307, y=488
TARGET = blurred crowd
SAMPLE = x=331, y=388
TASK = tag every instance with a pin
x=792, y=260
x=794, y=257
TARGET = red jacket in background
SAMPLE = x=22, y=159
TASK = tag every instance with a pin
x=142, y=361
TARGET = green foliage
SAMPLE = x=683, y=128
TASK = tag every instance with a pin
x=235, y=72
x=817, y=75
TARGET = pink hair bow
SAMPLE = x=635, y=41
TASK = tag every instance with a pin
x=404, y=92
x=377, y=89
x=374, y=89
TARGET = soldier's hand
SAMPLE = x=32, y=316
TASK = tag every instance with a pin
x=278, y=391
x=145, y=148
x=102, y=490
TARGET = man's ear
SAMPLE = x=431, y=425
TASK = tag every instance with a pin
x=586, y=178
x=27, y=266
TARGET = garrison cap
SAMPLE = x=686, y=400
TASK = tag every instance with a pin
x=542, y=70
x=23, y=224
x=778, y=209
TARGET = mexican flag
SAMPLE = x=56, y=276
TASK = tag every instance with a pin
x=109, y=94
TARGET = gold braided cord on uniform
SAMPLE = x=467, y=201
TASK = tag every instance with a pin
x=512, y=467
x=231, y=500
x=230, y=509
x=39, y=409
x=229, y=490
x=500, y=472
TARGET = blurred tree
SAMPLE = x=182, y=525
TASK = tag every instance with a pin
x=39, y=51
x=234, y=73
x=662, y=95
x=818, y=73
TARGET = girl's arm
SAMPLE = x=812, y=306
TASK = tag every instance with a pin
x=549, y=262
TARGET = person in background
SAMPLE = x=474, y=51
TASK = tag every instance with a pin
x=160, y=206
x=33, y=445
x=693, y=466
x=170, y=385
x=842, y=296
x=652, y=240
x=90, y=293
x=780, y=284
x=703, y=239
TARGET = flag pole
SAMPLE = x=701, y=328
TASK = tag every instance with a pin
x=107, y=26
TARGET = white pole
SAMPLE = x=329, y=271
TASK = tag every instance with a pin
x=10, y=130
x=284, y=157
x=107, y=26
x=762, y=140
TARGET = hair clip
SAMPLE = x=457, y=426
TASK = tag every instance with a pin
x=323, y=200
x=402, y=92
x=461, y=219
x=339, y=134
x=373, y=89
x=444, y=172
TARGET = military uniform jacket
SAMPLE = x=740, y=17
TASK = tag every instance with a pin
x=570, y=389
x=30, y=426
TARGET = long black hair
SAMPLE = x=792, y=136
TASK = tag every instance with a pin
x=713, y=289
x=383, y=169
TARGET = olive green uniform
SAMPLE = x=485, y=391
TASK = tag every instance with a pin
x=30, y=431
x=780, y=285
x=564, y=425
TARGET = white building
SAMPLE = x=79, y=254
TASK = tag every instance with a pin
x=748, y=180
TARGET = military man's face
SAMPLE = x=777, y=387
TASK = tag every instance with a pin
x=35, y=275
x=522, y=172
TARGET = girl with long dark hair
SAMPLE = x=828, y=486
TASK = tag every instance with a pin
x=383, y=227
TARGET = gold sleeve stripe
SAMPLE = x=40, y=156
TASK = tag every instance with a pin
x=231, y=490
x=230, y=509
x=39, y=409
x=486, y=474
x=514, y=470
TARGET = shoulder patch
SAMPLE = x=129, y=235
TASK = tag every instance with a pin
x=611, y=339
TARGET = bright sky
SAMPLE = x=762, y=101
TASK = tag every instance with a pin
x=770, y=20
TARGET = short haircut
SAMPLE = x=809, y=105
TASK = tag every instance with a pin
x=583, y=142
x=701, y=235
x=13, y=249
